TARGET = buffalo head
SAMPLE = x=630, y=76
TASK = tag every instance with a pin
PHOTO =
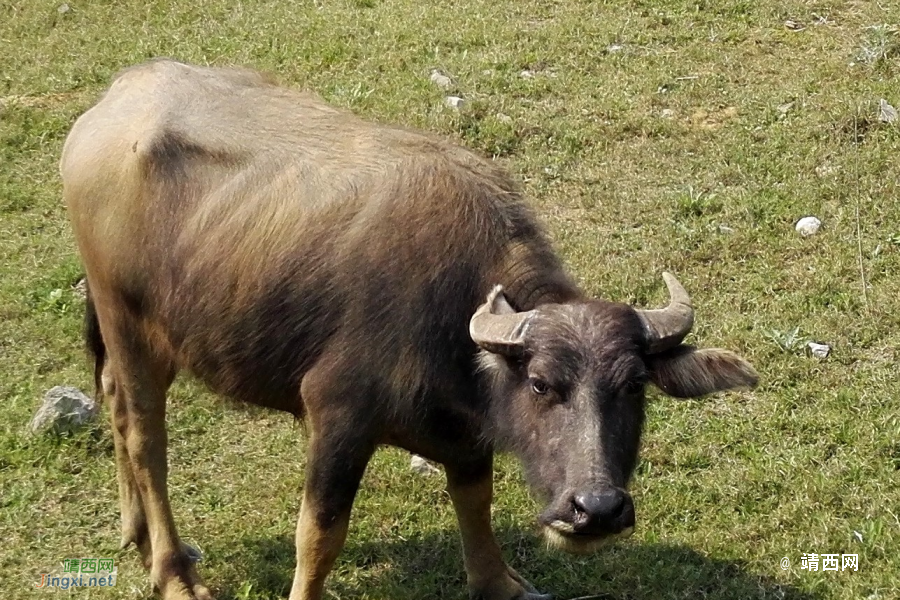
x=568, y=383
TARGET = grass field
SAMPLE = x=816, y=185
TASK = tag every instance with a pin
x=687, y=135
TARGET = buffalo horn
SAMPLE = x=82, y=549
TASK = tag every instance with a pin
x=666, y=327
x=497, y=327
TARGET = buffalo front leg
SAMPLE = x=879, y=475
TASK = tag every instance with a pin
x=489, y=578
x=334, y=470
x=138, y=412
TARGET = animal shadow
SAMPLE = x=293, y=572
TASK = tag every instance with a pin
x=430, y=567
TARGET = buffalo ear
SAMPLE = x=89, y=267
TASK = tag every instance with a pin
x=688, y=372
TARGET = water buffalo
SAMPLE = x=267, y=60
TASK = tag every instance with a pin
x=384, y=285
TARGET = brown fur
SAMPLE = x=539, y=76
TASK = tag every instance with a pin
x=294, y=256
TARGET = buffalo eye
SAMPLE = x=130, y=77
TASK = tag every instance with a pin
x=635, y=386
x=539, y=387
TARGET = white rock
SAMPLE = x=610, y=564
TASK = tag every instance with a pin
x=64, y=409
x=886, y=112
x=454, y=101
x=441, y=80
x=808, y=226
x=526, y=74
x=63, y=9
x=80, y=288
x=667, y=113
x=819, y=350
x=422, y=466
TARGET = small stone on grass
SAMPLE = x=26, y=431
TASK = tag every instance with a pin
x=439, y=79
x=808, y=226
x=819, y=350
x=65, y=409
x=454, y=101
x=422, y=466
x=80, y=288
x=886, y=112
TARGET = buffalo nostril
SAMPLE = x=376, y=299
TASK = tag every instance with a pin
x=603, y=505
x=603, y=509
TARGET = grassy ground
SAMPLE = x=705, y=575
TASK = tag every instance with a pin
x=654, y=134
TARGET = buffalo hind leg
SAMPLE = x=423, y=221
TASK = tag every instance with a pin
x=334, y=469
x=138, y=407
x=489, y=578
x=134, y=520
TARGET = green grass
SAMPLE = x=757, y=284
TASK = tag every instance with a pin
x=680, y=135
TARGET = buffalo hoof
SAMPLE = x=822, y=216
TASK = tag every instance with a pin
x=512, y=587
x=185, y=588
x=192, y=553
x=177, y=578
x=523, y=595
x=196, y=592
x=531, y=592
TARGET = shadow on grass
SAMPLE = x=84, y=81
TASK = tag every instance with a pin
x=431, y=567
